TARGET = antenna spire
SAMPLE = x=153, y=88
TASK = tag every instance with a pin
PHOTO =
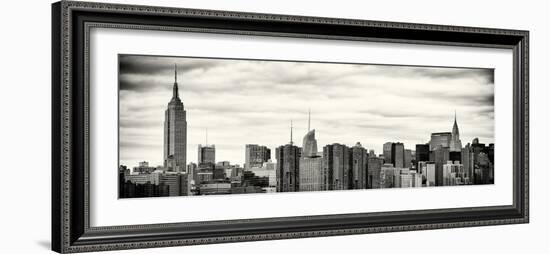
x=175, y=93
x=309, y=120
x=291, y=142
x=206, y=137
x=455, y=115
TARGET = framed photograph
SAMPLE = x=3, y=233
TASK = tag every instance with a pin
x=179, y=126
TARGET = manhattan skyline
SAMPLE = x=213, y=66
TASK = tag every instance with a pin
x=252, y=102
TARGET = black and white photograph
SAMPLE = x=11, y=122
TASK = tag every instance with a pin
x=191, y=126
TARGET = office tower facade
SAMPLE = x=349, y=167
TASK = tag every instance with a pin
x=311, y=174
x=288, y=168
x=256, y=155
x=206, y=154
x=440, y=139
x=398, y=155
x=386, y=151
x=416, y=179
x=482, y=167
x=176, y=183
x=422, y=153
x=441, y=156
x=373, y=172
x=429, y=173
x=466, y=160
x=407, y=158
x=337, y=166
x=455, y=156
x=406, y=180
x=175, y=131
x=390, y=176
x=359, y=161
x=267, y=170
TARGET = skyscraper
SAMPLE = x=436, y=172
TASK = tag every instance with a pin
x=440, y=139
x=398, y=155
x=422, y=154
x=407, y=158
x=311, y=164
x=256, y=155
x=206, y=154
x=175, y=131
x=455, y=145
x=374, y=166
x=336, y=166
x=441, y=156
x=288, y=166
x=386, y=150
x=309, y=144
x=359, y=161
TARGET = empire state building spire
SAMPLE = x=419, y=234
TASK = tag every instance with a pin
x=175, y=93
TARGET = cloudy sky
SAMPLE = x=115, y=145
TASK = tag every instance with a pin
x=252, y=102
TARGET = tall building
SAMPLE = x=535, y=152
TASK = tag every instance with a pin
x=256, y=155
x=311, y=174
x=390, y=176
x=309, y=143
x=455, y=145
x=481, y=165
x=386, y=150
x=311, y=164
x=407, y=158
x=288, y=166
x=441, y=156
x=466, y=159
x=430, y=174
x=336, y=166
x=374, y=167
x=206, y=154
x=175, y=131
x=440, y=139
x=359, y=163
x=177, y=184
x=398, y=155
x=422, y=153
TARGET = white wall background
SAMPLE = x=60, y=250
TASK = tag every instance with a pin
x=25, y=125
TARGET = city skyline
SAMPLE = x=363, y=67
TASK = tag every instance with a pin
x=382, y=112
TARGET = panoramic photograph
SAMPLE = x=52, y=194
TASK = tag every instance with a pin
x=193, y=126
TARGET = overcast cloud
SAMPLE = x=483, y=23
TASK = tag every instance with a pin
x=252, y=102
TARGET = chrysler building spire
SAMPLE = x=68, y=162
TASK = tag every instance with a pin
x=456, y=144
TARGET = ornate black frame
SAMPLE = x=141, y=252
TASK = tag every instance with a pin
x=71, y=22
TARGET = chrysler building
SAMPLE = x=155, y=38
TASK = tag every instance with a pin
x=455, y=144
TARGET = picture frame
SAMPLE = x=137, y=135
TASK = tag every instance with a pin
x=71, y=228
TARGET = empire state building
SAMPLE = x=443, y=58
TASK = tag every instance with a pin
x=175, y=131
